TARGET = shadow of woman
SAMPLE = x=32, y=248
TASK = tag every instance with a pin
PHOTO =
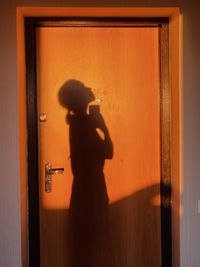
x=90, y=239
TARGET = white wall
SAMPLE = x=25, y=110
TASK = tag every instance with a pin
x=10, y=250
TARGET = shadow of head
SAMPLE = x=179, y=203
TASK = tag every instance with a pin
x=75, y=96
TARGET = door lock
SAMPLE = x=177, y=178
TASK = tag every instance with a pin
x=49, y=171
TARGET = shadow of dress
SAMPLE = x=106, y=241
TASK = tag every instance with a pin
x=89, y=204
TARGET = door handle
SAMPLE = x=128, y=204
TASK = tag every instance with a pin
x=49, y=171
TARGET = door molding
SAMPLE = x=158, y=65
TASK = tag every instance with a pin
x=175, y=33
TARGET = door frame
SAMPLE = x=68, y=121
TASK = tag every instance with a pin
x=31, y=23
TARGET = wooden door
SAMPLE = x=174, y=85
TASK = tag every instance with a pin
x=104, y=209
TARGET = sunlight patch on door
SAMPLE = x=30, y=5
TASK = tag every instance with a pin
x=123, y=76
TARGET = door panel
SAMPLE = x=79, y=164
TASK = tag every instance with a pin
x=121, y=66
